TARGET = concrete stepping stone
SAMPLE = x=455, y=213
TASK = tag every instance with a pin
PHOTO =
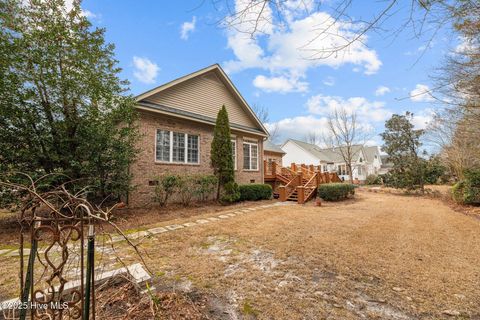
x=137, y=235
x=189, y=224
x=174, y=227
x=157, y=230
x=231, y=214
x=3, y=251
x=223, y=216
x=213, y=219
x=201, y=221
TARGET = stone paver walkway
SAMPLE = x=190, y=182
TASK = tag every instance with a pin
x=168, y=228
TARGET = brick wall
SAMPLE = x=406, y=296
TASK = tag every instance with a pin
x=274, y=156
x=145, y=168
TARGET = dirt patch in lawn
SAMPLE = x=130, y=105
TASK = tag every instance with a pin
x=377, y=257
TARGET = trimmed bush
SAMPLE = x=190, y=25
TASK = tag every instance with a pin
x=206, y=185
x=165, y=188
x=373, y=179
x=231, y=193
x=255, y=191
x=468, y=190
x=335, y=191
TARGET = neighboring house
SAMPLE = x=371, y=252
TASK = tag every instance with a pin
x=272, y=153
x=387, y=165
x=366, y=160
x=176, y=122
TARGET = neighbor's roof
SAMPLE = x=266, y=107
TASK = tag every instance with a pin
x=270, y=146
x=333, y=154
x=142, y=104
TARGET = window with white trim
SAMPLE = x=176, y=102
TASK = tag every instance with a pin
x=250, y=156
x=234, y=153
x=342, y=170
x=176, y=147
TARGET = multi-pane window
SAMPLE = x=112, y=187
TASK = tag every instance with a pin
x=342, y=170
x=250, y=156
x=192, y=149
x=163, y=145
x=177, y=147
x=234, y=154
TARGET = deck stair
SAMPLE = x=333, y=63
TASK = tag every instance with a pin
x=299, y=182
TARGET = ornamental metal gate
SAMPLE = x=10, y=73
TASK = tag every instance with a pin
x=57, y=270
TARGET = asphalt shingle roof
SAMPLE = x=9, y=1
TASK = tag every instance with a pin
x=333, y=154
x=270, y=146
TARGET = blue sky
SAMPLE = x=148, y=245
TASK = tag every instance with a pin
x=376, y=78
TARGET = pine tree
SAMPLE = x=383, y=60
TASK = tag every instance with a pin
x=221, y=151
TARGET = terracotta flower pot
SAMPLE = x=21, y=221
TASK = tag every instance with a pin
x=318, y=202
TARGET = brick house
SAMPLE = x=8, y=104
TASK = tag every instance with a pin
x=176, y=122
x=272, y=153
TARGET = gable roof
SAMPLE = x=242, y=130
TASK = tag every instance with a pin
x=270, y=146
x=330, y=155
x=146, y=101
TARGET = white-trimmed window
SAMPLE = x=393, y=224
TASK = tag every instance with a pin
x=250, y=156
x=176, y=147
x=234, y=153
x=342, y=170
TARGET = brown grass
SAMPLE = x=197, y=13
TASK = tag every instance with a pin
x=378, y=256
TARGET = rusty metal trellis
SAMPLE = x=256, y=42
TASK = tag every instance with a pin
x=54, y=281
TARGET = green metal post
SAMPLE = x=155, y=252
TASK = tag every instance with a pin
x=28, y=279
x=90, y=267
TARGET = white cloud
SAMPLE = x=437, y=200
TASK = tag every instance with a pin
x=381, y=90
x=145, y=70
x=421, y=93
x=303, y=42
x=299, y=127
x=329, y=81
x=280, y=84
x=187, y=28
x=422, y=119
x=367, y=111
x=88, y=14
x=370, y=114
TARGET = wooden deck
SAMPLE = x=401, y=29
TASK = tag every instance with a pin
x=298, y=182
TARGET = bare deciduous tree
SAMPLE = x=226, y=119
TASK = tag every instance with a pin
x=420, y=18
x=313, y=137
x=345, y=137
x=261, y=112
x=274, y=133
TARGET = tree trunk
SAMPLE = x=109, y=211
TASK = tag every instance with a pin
x=350, y=173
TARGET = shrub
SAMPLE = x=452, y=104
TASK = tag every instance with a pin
x=468, y=190
x=231, y=193
x=165, y=188
x=335, y=191
x=186, y=188
x=255, y=192
x=205, y=186
x=373, y=179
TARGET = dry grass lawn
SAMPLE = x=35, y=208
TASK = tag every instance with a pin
x=379, y=256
